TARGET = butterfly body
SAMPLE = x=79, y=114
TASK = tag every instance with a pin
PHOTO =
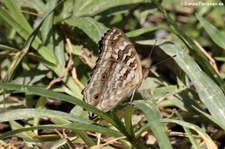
x=117, y=73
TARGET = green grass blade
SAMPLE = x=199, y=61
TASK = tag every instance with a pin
x=153, y=116
x=92, y=7
x=18, y=16
x=27, y=113
x=92, y=28
x=196, y=52
x=207, y=140
x=39, y=6
x=48, y=22
x=47, y=93
x=25, y=135
x=20, y=55
x=189, y=134
x=213, y=32
x=37, y=44
x=72, y=126
x=209, y=92
x=144, y=30
x=210, y=118
x=7, y=49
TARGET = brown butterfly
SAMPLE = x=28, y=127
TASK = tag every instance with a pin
x=117, y=74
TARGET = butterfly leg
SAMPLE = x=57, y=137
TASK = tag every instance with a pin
x=132, y=95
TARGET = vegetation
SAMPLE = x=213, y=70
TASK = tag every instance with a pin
x=48, y=49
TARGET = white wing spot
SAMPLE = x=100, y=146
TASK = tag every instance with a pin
x=115, y=56
x=116, y=50
x=125, y=55
x=123, y=71
x=131, y=60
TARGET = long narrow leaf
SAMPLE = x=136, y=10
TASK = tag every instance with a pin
x=197, y=53
x=75, y=126
x=41, y=113
x=55, y=95
x=92, y=28
x=18, y=16
x=209, y=92
x=214, y=33
x=153, y=116
x=208, y=141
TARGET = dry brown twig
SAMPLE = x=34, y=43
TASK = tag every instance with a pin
x=108, y=142
x=69, y=67
x=211, y=60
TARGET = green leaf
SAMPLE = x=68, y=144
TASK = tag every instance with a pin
x=47, y=93
x=21, y=114
x=39, y=6
x=92, y=7
x=17, y=15
x=194, y=49
x=91, y=27
x=25, y=33
x=144, y=30
x=8, y=48
x=208, y=141
x=48, y=22
x=153, y=116
x=149, y=90
x=31, y=76
x=72, y=126
x=26, y=135
x=189, y=134
x=209, y=92
x=213, y=32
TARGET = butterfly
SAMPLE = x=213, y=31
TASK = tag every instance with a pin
x=117, y=73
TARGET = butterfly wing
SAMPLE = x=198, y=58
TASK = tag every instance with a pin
x=117, y=72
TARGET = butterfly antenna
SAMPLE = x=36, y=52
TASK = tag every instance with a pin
x=163, y=61
x=145, y=70
x=150, y=54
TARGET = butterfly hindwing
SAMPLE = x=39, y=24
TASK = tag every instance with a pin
x=117, y=72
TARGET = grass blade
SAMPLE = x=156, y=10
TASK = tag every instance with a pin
x=92, y=28
x=153, y=115
x=214, y=33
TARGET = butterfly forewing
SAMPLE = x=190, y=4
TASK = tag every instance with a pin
x=117, y=72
